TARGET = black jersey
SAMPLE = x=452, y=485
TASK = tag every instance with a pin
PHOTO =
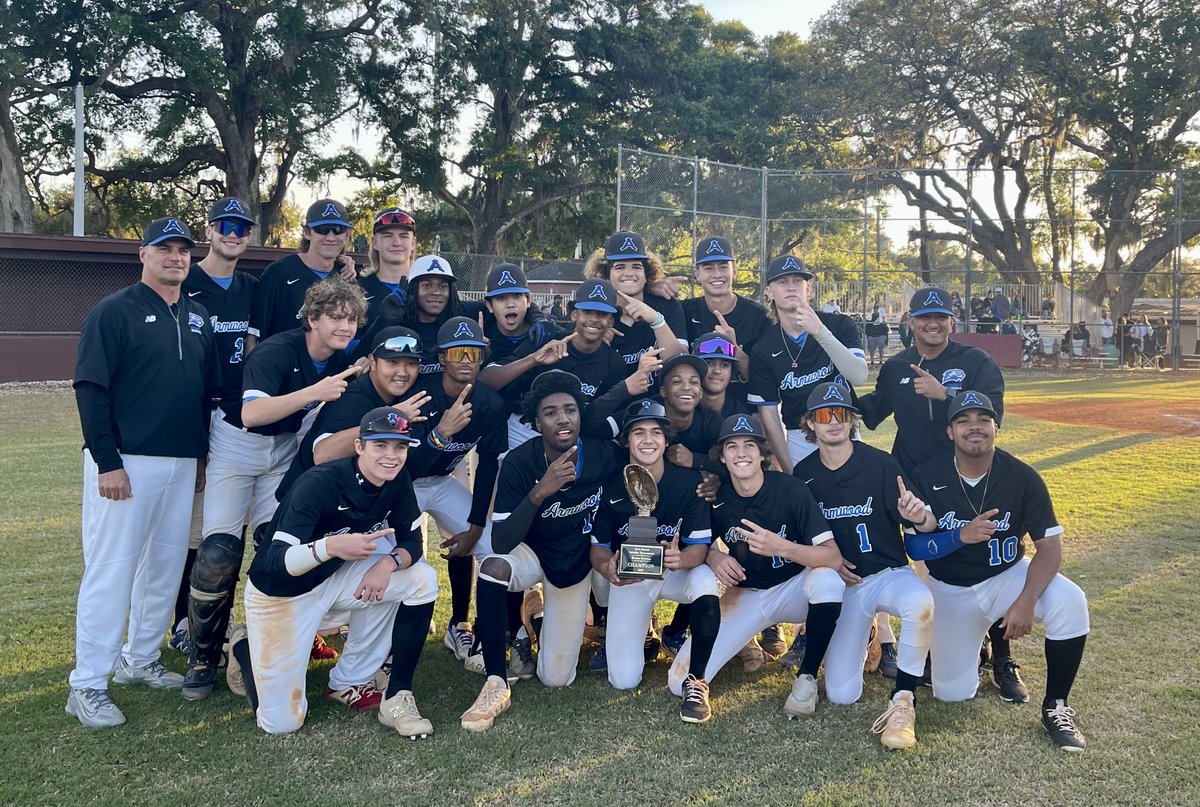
x=784, y=505
x=145, y=372
x=488, y=429
x=279, y=366
x=604, y=418
x=558, y=534
x=859, y=502
x=597, y=371
x=333, y=499
x=229, y=315
x=921, y=422
x=733, y=406
x=639, y=337
x=1012, y=487
x=748, y=319
x=776, y=379
x=679, y=510
x=375, y=291
x=279, y=296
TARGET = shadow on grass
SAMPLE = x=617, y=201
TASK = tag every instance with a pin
x=1091, y=450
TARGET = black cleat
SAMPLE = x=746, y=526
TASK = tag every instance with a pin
x=199, y=681
x=1008, y=681
x=1059, y=721
x=695, y=707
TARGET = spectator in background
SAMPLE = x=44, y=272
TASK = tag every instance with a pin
x=905, y=331
x=1031, y=341
x=1106, y=328
x=876, y=330
x=1008, y=326
x=1080, y=333
x=548, y=312
x=556, y=310
x=1001, y=306
x=1048, y=308
x=1018, y=309
x=831, y=307
x=1162, y=334
x=1142, y=334
x=1125, y=341
x=956, y=305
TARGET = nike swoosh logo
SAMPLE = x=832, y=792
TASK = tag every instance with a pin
x=192, y=293
x=696, y=321
x=715, y=506
x=615, y=501
x=809, y=481
x=776, y=355
x=343, y=507
x=939, y=487
x=293, y=280
x=432, y=414
x=369, y=297
x=295, y=369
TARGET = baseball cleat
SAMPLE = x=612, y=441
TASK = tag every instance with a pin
x=180, y=642
x=803, y=698
x=199, y=681
x=520, y=659
x=771, y=641
x=985, y=655
x=493, y=701
x=1059, y=720
x=673, y=642
x=532, y=608
x=399, y=712
x=897, y=726
x=874, y=652
x=752, y=657
x=599, y=661
x=321, y=651
x=432, y=628
x=153, y=675
x=889, y=663
x=233, y=669
x=596, y=633
x=794, y=657
x=476, y=664
x=695, y=707
x=1008, y=681
x=362, y=696
x=459, y=639
x=94, y=708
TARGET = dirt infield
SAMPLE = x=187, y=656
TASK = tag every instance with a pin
x=1175, y=418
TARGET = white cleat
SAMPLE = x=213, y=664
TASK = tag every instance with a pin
x=803, y=700
x=153, y=675
x=399, y=712
x=94, y=708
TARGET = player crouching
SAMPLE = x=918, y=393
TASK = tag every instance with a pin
x=682, y=519
x=780, y=565
x=864, y=500
x=332, y=548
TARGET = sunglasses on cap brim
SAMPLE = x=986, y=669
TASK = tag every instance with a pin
x=399, y=343
x=330, y=229
x=383, y=428
x=721, y=346
x=394, y=217
x=238, y=229
x=829, y=414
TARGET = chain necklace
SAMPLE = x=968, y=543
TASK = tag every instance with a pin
x=987, y=480
x=787, y=345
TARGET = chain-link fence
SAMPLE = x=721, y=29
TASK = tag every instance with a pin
x=1056, y=246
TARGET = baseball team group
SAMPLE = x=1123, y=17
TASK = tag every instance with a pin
x=701, y=451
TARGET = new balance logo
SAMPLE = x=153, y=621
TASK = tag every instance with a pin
x=151, y=318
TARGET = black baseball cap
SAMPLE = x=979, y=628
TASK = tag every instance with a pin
x=506, y=278
x=394, y=217
x=386, y=423
x=229, y=207
x=165, y=229
x=679, y=359
x=970, y=399
x=714, y=248
x=645, y=409
x=624, y=245
x=787, y=265
x=930, y=300
x=397, y=342
x=326, y=211
x=596, y=295
x=829, y=395
x=460, y=332
x=742, y=426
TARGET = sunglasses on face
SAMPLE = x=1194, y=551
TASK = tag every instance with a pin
x=722, y=346
x=462, y=353
x=833, y=413
x=391, y=217
x=329, y=229
x=400, y=343
x=238, y=229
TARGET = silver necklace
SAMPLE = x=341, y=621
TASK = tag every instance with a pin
x=987, y=478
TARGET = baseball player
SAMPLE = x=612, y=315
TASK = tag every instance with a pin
x=780, y=565
x=144, y=374
x=862, y=495
x=226, y=294
x=645, y=319
x=548, y=493
x=806, y=348
x=507, y=303
x=389, y=258
x=683, y=525
x=347, y=537
x=432, y=299
x=279, y=296
x=722, y=356
x=253, y=443
x=983, y=501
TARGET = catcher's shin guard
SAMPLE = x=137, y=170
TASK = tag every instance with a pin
x=210, y=600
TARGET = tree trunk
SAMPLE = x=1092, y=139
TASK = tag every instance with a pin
x=16, y=206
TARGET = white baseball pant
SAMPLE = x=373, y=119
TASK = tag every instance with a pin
x=562, y=621
x=629, y=610
x=518, y=433
x=280, y=631
x=133, y=556
x=449, y=502
x=746, y=611
x=798, y=447
x=244, y=469
x=966, y=612
x=892, y=591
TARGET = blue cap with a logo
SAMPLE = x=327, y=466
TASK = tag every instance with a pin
x=830, y=394
x=624, y=246
x=742, y=426
x=460, y=332
x=165, y=229
x=713, y=248
x=506, y=278
x=326, y=211
x=229, y=207
x=596, y=295
x=787, y=265
x=930, y=300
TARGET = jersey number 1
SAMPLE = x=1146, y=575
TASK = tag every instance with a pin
x=864, y=540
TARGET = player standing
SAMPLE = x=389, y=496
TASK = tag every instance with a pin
x=145, y=371
x=985, y=501
x=389, y=258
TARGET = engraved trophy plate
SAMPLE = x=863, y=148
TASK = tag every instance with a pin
x=641, y=553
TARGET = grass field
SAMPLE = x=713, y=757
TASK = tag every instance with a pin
x=1126, y=497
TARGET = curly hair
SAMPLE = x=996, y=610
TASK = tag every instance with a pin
x=597, y=266
x=545, y=385
x=810, y=433
x=331, y=295
x=453, y=303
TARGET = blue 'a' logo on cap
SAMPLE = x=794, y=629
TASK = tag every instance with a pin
x=713, y=246
x=464, y=329
x=506, y=279
x=970, y=399
x=934, y=299
x=392, y=418
x=331, y=210
x=834, y=393
x=646, y=405
x=235, y=206
x=173, y=226
x=790, y=263
x=742, y=425
x=627, y=245
x=598, y=293
x=435, y=266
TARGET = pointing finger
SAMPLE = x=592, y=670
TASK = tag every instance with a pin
x=352, y=370
x=900, y=482
x=462, y=396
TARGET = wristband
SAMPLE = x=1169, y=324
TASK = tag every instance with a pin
x=659, y=322
x=399, y=563
x=318, y=549
x=436, y=440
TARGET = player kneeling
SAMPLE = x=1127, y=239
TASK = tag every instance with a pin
x=781, y=561
x=862, y=495
x=333, y=548
x=682, y=518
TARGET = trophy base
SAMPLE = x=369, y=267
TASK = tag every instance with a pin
x=641, y=561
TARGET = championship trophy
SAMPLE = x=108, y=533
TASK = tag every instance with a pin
x=641, y=553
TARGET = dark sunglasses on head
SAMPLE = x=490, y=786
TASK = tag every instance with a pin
x=238, y=229
x=328, y=229
x=722, y=346
x=829, y=414
x=390, y=217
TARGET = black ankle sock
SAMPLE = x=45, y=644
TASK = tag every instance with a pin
x=492, y=600
x=906, y=681
x=241, y=652
x=409, y=630
x=1000, y=646
x=461, y=572
x=705, y=621
x=599, y=612
x=1062, y=663
x=822, y=619
x=680, y=621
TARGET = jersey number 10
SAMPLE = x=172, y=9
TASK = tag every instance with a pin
x=1002, y=551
